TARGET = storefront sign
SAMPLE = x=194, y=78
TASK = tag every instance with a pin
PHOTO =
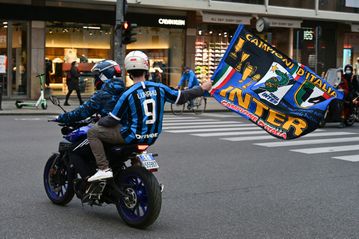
x=286, y=23
x=308, y=35
x=355, y=28
x=172, y=22
x=157, y=20
x=226, y=19
x=2, y=64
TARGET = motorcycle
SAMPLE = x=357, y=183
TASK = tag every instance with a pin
x=333, y=112
x=133, y=189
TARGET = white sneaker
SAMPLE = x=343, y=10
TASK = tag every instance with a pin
x=101, y=174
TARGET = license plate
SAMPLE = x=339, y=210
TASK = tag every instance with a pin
x=148, y=161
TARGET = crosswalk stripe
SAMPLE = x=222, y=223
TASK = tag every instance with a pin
x=179, y=117
x=306, y=142
x=352, y=158
x=189, y=121
x=319, y=150
x=223, y=115
x=218, y=123
x=209, y=126
x=249, y=138
x=252, y=132
x=212, y=130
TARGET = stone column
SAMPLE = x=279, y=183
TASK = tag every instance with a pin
x=190, y=39
x=37, y=51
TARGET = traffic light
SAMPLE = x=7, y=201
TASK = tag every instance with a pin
x=128, y=32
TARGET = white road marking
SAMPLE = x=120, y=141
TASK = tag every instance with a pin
x=212, y=130
x=351, y=158
x=208, y=126
x=219, y=123
x=248, y=138
x=319, y=150
x=306, y=142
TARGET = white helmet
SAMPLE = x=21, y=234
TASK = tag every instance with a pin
x=136, y=60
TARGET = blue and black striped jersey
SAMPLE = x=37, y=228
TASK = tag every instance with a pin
x=140, y=111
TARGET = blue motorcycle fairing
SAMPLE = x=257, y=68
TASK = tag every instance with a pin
x=78, y=134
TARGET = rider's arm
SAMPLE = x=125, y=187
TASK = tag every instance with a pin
x=89, y=108
x=182, y=96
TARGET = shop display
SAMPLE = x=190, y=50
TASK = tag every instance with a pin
x=207, y=57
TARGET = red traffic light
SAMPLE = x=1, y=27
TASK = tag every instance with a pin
x=125, y=25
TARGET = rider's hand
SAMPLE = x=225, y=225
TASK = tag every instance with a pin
x=206, y=85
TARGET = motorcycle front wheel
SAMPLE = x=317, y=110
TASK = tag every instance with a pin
x=142, y=204
x=58, y=187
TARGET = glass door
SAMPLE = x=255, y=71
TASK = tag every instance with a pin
x=3, y=57
x=19, y=56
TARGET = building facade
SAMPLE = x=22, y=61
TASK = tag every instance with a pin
x=45, y=36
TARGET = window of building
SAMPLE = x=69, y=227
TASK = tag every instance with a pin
x=68, y=42
x=165, y=48
x=307, y=4
x=339, y=6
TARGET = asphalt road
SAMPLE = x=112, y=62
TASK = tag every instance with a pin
x=214, y=187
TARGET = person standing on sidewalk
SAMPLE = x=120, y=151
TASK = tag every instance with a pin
x=72, y=81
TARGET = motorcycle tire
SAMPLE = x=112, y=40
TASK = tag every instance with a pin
x=58, y=188
x=142, y=206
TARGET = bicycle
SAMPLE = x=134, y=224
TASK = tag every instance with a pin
x=198, y=106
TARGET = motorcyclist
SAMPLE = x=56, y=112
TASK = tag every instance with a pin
x=343, y=86
x=137, y=117
x=109, y=88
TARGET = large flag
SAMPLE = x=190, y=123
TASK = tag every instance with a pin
x=265, y=86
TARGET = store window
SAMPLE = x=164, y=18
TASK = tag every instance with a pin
x=18, y=63
x=307, y=4
x=339, y=6
x=211, y=44
x=14, y=58
x=165, y=48
x=3, y=56
x=68, y=42
x=261, y=2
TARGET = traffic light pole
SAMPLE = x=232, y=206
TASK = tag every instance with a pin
x=119, y=48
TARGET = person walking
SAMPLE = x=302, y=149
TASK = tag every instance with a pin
x=72, y=81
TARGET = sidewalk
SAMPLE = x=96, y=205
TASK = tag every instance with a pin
x=9, y=108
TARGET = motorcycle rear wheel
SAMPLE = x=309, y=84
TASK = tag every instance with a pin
x=58, y=187
x=142, y=205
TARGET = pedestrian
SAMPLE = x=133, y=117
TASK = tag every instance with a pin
x=157, y=76
x=356, y=69
x=72, y=82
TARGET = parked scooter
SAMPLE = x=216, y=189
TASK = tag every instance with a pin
x=41, y=101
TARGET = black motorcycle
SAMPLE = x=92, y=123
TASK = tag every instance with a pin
x=133, y=189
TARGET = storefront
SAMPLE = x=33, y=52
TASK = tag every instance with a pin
x=162, y=38
x=68, y=42
x=14, y=58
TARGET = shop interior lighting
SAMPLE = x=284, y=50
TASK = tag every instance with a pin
x=199, y=32
x=91, y=27
x=219, y=34
x=211, y=32
x=5, y=26
x=4, y=23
